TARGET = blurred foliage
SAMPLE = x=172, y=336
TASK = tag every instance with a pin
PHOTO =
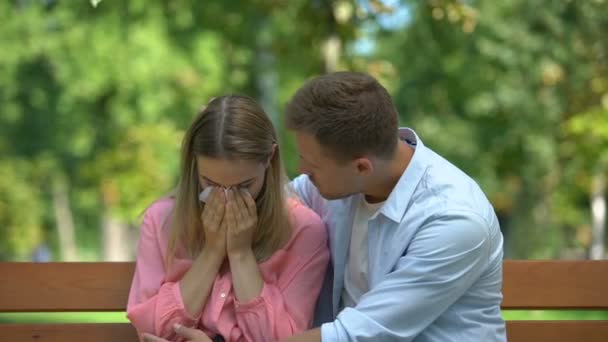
x=97, y=98
x=514, y=92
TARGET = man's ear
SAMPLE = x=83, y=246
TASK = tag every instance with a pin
x=364, y=166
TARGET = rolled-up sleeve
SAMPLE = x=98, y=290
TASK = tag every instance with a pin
x=154, y=305
x=445, y=258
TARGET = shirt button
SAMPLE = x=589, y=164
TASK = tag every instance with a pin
x=223, y=295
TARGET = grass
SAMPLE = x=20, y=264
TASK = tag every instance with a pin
x=120, y=317
x=546, y=315
x=64, y=317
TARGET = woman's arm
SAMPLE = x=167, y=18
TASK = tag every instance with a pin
x=198, y=281
x=247, y=280
x=241, y=221
x=272, y=309
x=285, y=305
x=156, y=304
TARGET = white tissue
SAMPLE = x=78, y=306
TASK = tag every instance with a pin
x=205, y=194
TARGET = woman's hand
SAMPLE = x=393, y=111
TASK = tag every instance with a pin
x=241, y=222
x=198, y=280
x=214, y=223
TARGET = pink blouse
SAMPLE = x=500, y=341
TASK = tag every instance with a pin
x=292, y=280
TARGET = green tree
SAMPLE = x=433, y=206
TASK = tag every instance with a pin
x=96, y=99
x=490, y=85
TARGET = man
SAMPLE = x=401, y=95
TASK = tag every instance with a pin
x=416, y=246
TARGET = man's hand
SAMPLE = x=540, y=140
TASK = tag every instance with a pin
x=313, y=335
x=190, y=334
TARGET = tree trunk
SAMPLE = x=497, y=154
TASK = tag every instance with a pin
x=266, y=73
x=117, y=242
x=332, y=48
x=64, y=220
x=598, y=215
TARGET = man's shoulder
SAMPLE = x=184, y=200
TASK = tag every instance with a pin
x=447, y=201
x=445, y=187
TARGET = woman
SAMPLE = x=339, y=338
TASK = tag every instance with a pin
x=228, y=253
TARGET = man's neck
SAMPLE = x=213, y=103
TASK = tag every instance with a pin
x=388, y=173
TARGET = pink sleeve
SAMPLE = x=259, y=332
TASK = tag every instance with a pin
x=154, y=304
x=286, y=304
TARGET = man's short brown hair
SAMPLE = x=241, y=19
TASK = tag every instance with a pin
x=349, y=113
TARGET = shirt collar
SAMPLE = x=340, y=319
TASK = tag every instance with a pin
x=398, y=200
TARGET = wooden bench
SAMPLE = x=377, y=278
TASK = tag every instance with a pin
x=31, y=287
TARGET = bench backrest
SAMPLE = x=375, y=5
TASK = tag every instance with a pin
x=34, y=287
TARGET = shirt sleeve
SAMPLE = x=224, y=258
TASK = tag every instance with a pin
x=444, y=259
x=286, y=304
x=154, y=304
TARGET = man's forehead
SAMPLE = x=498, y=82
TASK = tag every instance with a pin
x=308, y=146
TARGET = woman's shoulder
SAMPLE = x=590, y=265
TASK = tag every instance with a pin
x=159, y=211
x=305, y=222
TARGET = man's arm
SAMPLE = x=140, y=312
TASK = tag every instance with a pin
x=444, y=259
x=308, y=194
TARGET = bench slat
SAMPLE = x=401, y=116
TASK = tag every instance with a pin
x=31, y=287
x=79, y=286
x=89, y=332
x=563, y=284
x=551, y=331
x=517, y=331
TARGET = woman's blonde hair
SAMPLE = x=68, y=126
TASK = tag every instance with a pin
x=232, y=127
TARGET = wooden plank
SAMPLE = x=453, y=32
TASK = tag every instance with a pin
x=30, y=287
x=517, y=331
x=89, y=332
x=97, y=286
x=551, y=331
x=104, y=286
x=563, y=284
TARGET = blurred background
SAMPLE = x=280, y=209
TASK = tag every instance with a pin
x=95, y=97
